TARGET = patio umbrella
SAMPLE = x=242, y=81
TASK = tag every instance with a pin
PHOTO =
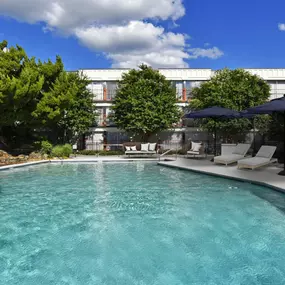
x=215, y=113
x=276, y=105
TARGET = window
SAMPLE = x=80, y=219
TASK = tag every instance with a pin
x=100, y=117
x=277, y=88
x=178, y=85
x=98, y=90
x=189, y=85
x=111, y=90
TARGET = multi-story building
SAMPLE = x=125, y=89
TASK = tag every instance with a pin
x=104, y=85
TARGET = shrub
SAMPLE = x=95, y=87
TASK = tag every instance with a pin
x=88, y=152
x=46, y=147
x=62, y=150
x=67, y=150
x=100, y=152
x=57, y=151
x=111, y=152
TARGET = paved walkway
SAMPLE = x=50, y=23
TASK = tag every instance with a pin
x=265, y=176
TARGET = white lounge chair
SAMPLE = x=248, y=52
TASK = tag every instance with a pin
x=238, y=153
x=197, y=150
x=262, y=158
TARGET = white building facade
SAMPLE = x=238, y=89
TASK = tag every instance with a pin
x=104, y=85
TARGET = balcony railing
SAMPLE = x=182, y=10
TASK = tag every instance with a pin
x=105, y=94
x=105, y=121
x=98, y=95
x=111, y=94
x=277, y=94
x=182, y=95
x=189, y=94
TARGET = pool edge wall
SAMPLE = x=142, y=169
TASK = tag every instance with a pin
x=259, y=183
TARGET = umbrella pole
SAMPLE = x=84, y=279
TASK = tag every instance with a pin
x=282, y=173
x=253, y=125
x=215, y=140
x=215, y=146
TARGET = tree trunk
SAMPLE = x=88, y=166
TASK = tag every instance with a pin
x=146, y=136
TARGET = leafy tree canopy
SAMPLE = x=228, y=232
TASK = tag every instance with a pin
x=36, y=95
x=68, y=106
x=235, y=89
x=145, y=102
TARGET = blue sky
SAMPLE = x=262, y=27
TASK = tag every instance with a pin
x=189, y=33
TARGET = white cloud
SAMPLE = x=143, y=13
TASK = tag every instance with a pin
x=133, y=36
x=135, y=43
x=281, y=27
x=212, y=53
x=167, y=58
x=70, y=14
x=119, y=29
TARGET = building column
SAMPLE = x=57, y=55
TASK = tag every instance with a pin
x=184, y=93
x=104, y=116
x=105, y=91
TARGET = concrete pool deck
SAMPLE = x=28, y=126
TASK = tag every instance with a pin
x=266, y=176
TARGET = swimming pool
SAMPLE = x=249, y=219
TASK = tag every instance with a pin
x=137, y=223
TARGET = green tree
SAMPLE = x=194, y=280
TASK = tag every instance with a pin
x=51, y=71
x=41, y=98
x=12, y=62
x=81, y=114
x=235, y=89
x=68, y=108
x=145, y=103
x=20, y=85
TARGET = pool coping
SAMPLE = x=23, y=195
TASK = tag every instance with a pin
x=161, y=163
x=19, y=165
x=11, y=166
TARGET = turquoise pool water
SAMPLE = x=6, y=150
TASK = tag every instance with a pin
x=137, y=223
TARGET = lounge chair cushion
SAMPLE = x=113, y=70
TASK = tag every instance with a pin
x=144, y=147
x=128, y=148
x=254, y=161
x=230, y=158
x=266, y=151
x=241, y=149
x=151, y=146
x=196, y=147
x=133, y=148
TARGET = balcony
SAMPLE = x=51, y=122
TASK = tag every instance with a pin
x=182, y=94
x=104, y=95
x=108, y=95
x=105, y=121
x=111, y=94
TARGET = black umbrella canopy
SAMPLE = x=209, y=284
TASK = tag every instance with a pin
x=246, y=115
x=214, y=112
x=276, y=105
